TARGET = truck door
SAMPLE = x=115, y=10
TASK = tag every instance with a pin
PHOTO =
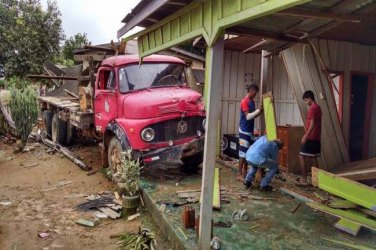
x=105, y=96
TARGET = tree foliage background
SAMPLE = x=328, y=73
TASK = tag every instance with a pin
x=29, y=35
x=77, y=41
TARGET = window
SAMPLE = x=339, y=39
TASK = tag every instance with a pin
x=106, y=79
x=149, y=75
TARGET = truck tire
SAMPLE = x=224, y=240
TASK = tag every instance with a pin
x=47, y=122
x=191, y=163
x=59, y=130
x=71, y=133
x=114, y=158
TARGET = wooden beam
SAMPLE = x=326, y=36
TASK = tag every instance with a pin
x=145, y=12
x=96, y=58
x=348, y=226
x=262, y=42
x=263, y=82
x=269, y=115
x=213, y=90
x=350, y=190
x=52, y=77
x=300, y=12
x=351, y=215
x=216, y=194
x=176, y=3
x=242, y=31
x=359, y=175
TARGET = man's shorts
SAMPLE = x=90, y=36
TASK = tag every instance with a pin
x=245, y=141
x=311, y=148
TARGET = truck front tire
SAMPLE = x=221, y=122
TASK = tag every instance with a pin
x=114, y=158
x=58, y=130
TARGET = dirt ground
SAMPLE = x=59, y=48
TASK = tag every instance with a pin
x=40, y=204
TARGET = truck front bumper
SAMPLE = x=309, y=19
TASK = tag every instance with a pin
x=173, y=154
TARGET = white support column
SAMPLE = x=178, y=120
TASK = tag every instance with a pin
x=263, y=83
x=213, y=89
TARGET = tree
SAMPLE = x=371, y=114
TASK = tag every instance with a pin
x=74, y=42
x=29, y=35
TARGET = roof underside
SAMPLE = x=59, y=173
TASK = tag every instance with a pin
x=344, y=20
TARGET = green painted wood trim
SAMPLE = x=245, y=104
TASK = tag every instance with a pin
x=351, y=215
x=348, y=226
x=208, y=18
x=350, y=190
x=216, y=193
x=350, y=244
x=269, y=114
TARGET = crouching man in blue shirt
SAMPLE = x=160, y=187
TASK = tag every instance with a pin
x=263, y=154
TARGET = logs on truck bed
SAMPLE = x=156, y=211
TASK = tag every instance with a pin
x=67, y=153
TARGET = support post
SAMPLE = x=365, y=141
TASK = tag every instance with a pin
x=263, y=77
x=213, y=80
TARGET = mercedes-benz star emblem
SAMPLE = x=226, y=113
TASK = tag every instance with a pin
x=182, y=127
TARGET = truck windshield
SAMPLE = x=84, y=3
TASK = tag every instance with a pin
x=149, y=75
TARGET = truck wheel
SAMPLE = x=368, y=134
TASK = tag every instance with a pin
x=47, y=122
x=114, y=158
x=71, y=133
x=192, y=162
x=59, y=130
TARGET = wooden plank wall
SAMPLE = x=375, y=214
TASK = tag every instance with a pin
x=349, y=57
x=239, y=70
x=337, y=56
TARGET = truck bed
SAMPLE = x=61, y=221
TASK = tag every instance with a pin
x=78, y=118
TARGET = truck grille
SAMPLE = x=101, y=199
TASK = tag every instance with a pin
x=176, y=129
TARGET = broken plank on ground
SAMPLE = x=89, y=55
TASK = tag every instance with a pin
x=111, y=213
x=217, y=193
x=351, y=215
x=345, y=188
x=348, y=226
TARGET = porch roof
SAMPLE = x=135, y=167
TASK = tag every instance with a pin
x=353, y=21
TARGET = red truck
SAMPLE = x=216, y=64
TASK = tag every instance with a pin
x=147, y=108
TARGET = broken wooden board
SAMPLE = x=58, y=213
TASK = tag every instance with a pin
x=269, y=114
x=350, y=244
x=111, y=213
x=217, y=193
x=351, y=215
x=359, y=175
x=350, y=190
x=343, y=204
x=348, y=226
x=295, y=195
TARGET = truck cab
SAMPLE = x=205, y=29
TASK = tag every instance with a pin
x=148, y=109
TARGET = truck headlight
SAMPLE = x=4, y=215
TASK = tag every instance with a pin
x=147, y=134
x=203, y=124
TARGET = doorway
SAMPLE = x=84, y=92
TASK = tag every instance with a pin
x=360, y=116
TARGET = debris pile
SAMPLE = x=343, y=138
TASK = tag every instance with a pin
x=144, y=239
x=105, y=204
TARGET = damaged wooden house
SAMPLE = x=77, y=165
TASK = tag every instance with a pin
x=287, y=47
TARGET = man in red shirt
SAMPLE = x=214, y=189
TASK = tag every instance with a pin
x=311, y=146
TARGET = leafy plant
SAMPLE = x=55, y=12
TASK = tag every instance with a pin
x=130, y=173
x=145, y=239
x=16, y=83
x=24, y=111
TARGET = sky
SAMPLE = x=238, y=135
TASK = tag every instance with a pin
x=99, y=19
